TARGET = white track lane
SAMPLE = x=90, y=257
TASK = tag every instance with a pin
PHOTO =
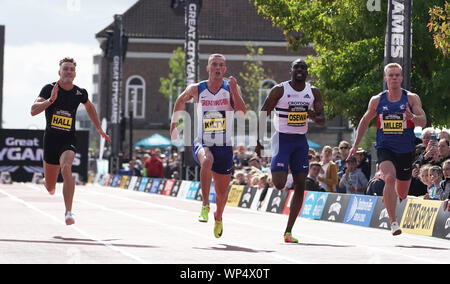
x=120, y=226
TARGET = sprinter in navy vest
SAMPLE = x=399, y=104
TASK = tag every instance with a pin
x=60, y=101
x=397, y=111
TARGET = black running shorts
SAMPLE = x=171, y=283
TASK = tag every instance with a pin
x=56, y=144
x=402, y=162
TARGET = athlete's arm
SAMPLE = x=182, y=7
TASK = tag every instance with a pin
x=364, y=123
x=318, y=115
x=236, y=96
x=269, y=104
x=415, y=113
x=191, y=92
x=41, y=104
x=92, y=113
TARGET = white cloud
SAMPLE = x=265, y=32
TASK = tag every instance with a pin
x=29, y=67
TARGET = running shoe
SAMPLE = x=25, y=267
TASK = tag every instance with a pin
x=204, y=214
x=69, y=219
x=218, y=228
x=288, y=238
x=395, y=229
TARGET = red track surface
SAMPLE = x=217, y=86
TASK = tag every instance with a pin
x=120, y=226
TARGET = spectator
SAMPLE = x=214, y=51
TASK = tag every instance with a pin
x=353, y=179
x=329, y=178
x=425, y=178
x=444, y=186
x=443, y=151
x=417, y=187
x=154, y=166
x=239, y=177
x=444, y=134
x=361, y=160
x=255, y=162
x=344, y=149
x=435, y=175
x=175, y=175
x=376, y=184
x=336, y=155
x=133, y=167
x=312, y=184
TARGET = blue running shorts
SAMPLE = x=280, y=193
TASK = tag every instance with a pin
x=223, y=157
x=289, y=151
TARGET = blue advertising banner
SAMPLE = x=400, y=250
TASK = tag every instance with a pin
x=143, y=184
x=360, y=210
x=192, y=192
x=155, y=185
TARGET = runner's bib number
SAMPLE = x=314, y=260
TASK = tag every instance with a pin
x=393, y=123
x=297, y=116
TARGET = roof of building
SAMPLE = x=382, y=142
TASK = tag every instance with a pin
x=218, y=20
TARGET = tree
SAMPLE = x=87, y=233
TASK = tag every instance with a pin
x=349, y=42
x=169, y=86
x=439, y=26
x=252, y=77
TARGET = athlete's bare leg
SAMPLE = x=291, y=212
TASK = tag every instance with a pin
x=206, y=160
x=297, y=200
x=221, y=183
x=50, y=176
x=66, y=161
x=389, y=193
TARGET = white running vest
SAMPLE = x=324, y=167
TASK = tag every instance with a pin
x=291, y=111
x=214, y=116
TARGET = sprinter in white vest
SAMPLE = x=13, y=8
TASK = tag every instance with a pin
x=295, y=102
x=216, y=99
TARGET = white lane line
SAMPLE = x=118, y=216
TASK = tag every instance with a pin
x=76, y=228
x=372, y=250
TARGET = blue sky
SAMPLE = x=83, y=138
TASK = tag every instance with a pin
x=37, y=34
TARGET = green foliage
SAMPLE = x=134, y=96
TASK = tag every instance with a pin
x=439, y=26
x=176, y=76
x=252, y=77
x=349, y=44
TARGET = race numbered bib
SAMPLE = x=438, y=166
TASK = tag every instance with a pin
x=62, y=120
x=297, y=116
x=214, y=122
x=393, y=123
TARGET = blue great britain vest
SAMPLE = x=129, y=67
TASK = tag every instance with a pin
x=394, y=132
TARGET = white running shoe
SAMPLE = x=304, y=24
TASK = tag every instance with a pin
x=395, y=229
x=69, y=219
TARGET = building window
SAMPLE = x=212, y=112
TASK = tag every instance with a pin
x=135, y=97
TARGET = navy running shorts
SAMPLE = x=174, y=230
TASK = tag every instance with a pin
x=289, y=151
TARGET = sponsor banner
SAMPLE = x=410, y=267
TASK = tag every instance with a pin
x=265, y=203
x=155, y=185
x=143, y=184
x=419, y=216
x=21, y=153
x=132, y=183
x=234, y=195
x=138, y=184
x=193, y=188
x=255, y=202
x=184, y=188
x=161, y=186
x=247, y=197
x=175, y=188
x=123, y=182
x=313, y=204
x=115, y=181
x=360, y=210
x=287, y=205
x=107, y=180
x=277, y=200
x=90, y=178
x=380, y=217
x=335, y=207
x=168, y=187
x=442, y=224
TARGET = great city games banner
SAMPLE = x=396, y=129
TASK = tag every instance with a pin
x=21, y=153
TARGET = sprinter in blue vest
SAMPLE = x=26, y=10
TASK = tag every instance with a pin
x=398, y=111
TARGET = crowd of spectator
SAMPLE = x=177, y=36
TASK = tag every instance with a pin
x=329, y=170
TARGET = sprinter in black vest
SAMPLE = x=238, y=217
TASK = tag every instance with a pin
x=60, y=101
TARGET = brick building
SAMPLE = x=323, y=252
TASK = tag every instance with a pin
x=155, y=29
